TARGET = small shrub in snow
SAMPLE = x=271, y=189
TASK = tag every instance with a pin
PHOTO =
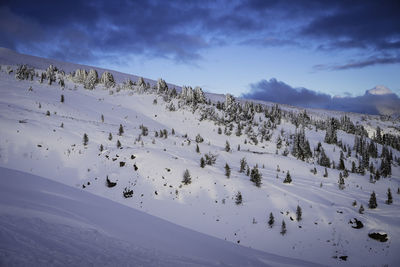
x=127, y=193
x=210, y=158
x=199, y=139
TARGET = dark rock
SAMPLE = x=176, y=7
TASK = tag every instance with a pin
x=110, y=184
x=382, y=237
x=121, y=163
x=356, y=224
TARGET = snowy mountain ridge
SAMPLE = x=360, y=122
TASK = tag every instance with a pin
x=132, y=142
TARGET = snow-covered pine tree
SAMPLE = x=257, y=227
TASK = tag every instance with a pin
x=330, y=136
x=91, y=80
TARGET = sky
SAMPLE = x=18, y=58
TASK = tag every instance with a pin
x=337, y=48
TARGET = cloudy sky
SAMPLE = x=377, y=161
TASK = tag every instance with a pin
x=242, y=47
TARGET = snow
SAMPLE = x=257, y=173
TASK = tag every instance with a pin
x=35, y=144
x=47, y=223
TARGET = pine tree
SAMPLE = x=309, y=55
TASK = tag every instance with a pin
x=238, y=198
x=202, y=162
x=361, y=209
x=243, y=164
x=288, y=178
x=101, y=148
x=341, y=161
x=118, y=144
x=271, y=220
x=85, y=139
x=121, y=130
x=187, y=179
x=256, y=176
x=62, y=99
x=372, y=201
x=326, y=173
x=341, y=181
x=227, y=170
x=389, y=197
x=110, y=136
x=283, y=228
x=197, y=148
x=298, y=213
x=219, y=130
x=102, y=118
x=330, y=136
x=227, y=146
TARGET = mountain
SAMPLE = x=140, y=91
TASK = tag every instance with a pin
x=102, y=160
x=379, y=90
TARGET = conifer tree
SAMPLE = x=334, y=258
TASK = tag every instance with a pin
x=85, y=139
x=227, y=146
x=101, y=148
x=288, y=178
x=62, y=99
x=341, y=181
x=202, y=162
x=372, y=201
x=326, y=173
x=243, y=164
x=341, y=161
x=197, y=148
x=118, y=144
x=102, y=118
x=120, y=130
x=110, y=136
x=361, y=209
x=227, y=170
x=187, y=179
x=238, y=198
x=283, y=228
x=256, y=176
x=271, y=220
x=298, y=213
x=389, y=197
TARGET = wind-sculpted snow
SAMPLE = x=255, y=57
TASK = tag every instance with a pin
x=44, y=223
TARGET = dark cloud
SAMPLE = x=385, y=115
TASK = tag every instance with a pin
x=280, y=92
x=360, y=64
x=180, y=30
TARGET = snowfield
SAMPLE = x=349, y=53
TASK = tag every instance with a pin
x=77, y=219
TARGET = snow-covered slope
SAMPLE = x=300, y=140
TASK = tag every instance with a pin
x=43, y=136
x=45, y=223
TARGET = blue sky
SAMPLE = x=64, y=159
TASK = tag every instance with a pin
x=331, y=47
